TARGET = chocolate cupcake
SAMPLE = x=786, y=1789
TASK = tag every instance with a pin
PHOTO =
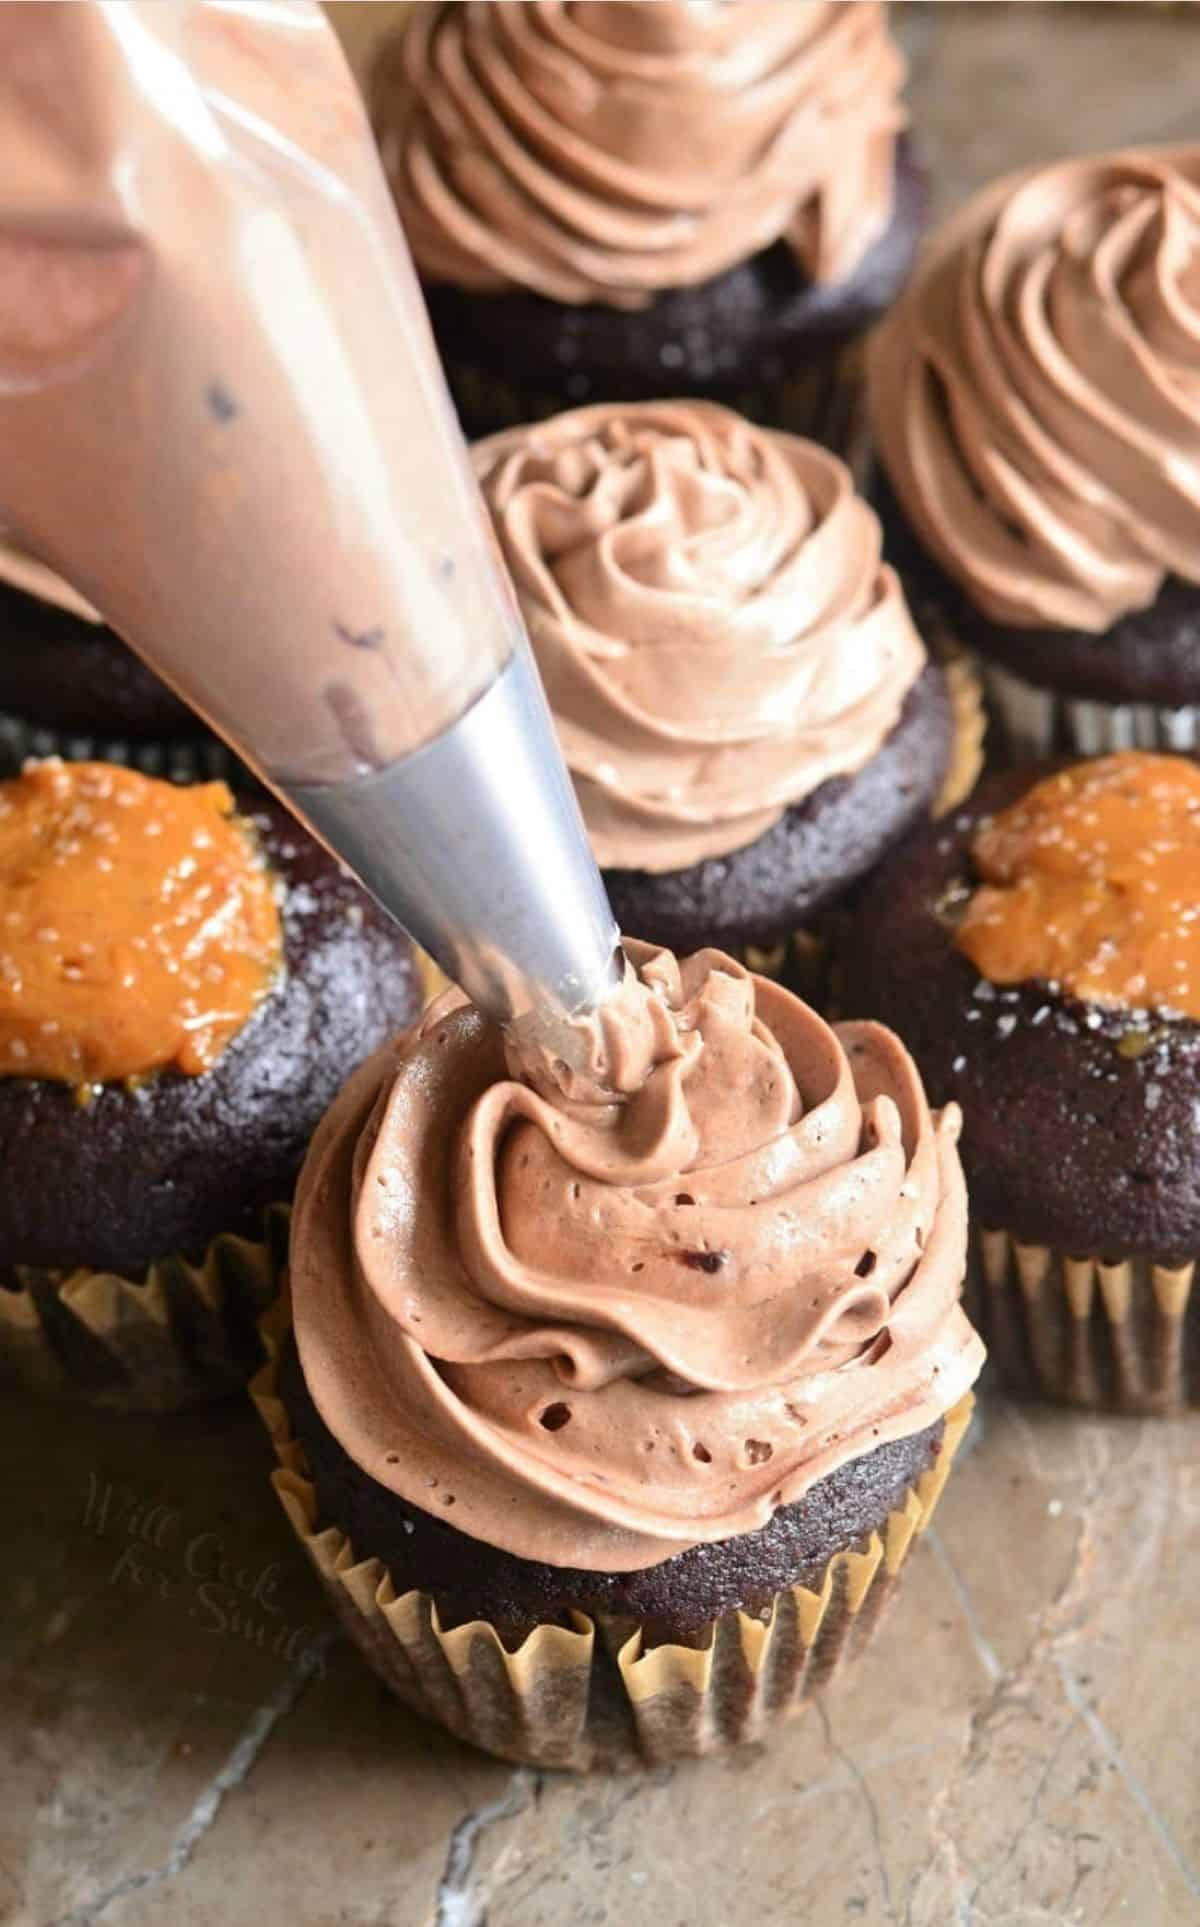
x=70, y=687
x=745, y=706
x=612, y=200
x=1035, y=398
x=614, y=1404
x=1039, y=956
x=182, y=991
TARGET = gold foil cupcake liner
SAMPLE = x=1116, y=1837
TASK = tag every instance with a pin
x=1107, y=1334
x=970, y=728
x=593, y=1694
x=800, y=961
x=432, y=977
x=184, y=1334
x=1038, y=722
x=204, y=760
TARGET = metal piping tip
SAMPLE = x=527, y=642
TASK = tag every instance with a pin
x=477, y=846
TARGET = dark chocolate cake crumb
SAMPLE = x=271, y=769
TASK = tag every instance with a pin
x=1081, y=1124
x=163, y=1169
x=747, y=329
x=811, y=857
x=673, y=1600
x=1149, y=656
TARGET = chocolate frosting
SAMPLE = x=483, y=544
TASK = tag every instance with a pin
x=601, y=152
x=710, y=615
x=1035, y=394
x=602, y=1329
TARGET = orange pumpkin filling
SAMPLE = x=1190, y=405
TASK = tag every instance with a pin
x=1092, y=880
x=139, y=927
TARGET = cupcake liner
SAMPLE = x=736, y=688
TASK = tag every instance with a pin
x=433, y=978
x=1036, y=722
x=592, y=1694
x=1108, y=1334
x=800, y=961
x=822, y=397
x=970, y=728
x=204, y=760
x=182, y=1335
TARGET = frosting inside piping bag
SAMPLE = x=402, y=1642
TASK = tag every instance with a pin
x=221, y=414
x=597, y=1330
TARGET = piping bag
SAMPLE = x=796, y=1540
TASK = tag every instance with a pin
x=223, y=419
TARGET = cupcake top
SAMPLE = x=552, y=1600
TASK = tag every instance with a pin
x=1035, y=394
x=710, y=615
x=602, y=1325
x=1091, y=881
x=601, y=152
x=139, y=928
x=1037, y=951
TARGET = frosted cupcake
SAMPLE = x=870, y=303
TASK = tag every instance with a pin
x=748, y=713
x=1040, y=955
x=613, y=201
x=1035, y=398
x=613, y=1404
x=183, y=987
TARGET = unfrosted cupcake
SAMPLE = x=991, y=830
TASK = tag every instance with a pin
x=182, y=991
x=70, y=687
x=1035, y=398
x=610, y=1414
x=747, y=711
x=613, y=201
x=1040, y=955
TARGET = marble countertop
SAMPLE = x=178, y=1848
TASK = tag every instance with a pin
x=184, y=1740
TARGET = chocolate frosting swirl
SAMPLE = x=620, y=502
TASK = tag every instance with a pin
x=601, y=152
x=1035, y=394
x=711, y=619
x=603, y=1331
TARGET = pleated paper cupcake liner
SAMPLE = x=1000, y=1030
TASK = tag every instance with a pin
x=822, y=398
x=970, y=728
x=432, y=977
x=203, y=759
x=184, y=1334
x=1107, y=1334
x=1036, y=722
x=592, y=1694
x=800, y=962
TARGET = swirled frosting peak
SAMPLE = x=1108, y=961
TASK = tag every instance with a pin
x=602, y=151
x=1035, y=394
x=598, y=1331
x=711, y=619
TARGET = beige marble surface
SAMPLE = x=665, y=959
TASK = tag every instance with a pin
x=183, y=1742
